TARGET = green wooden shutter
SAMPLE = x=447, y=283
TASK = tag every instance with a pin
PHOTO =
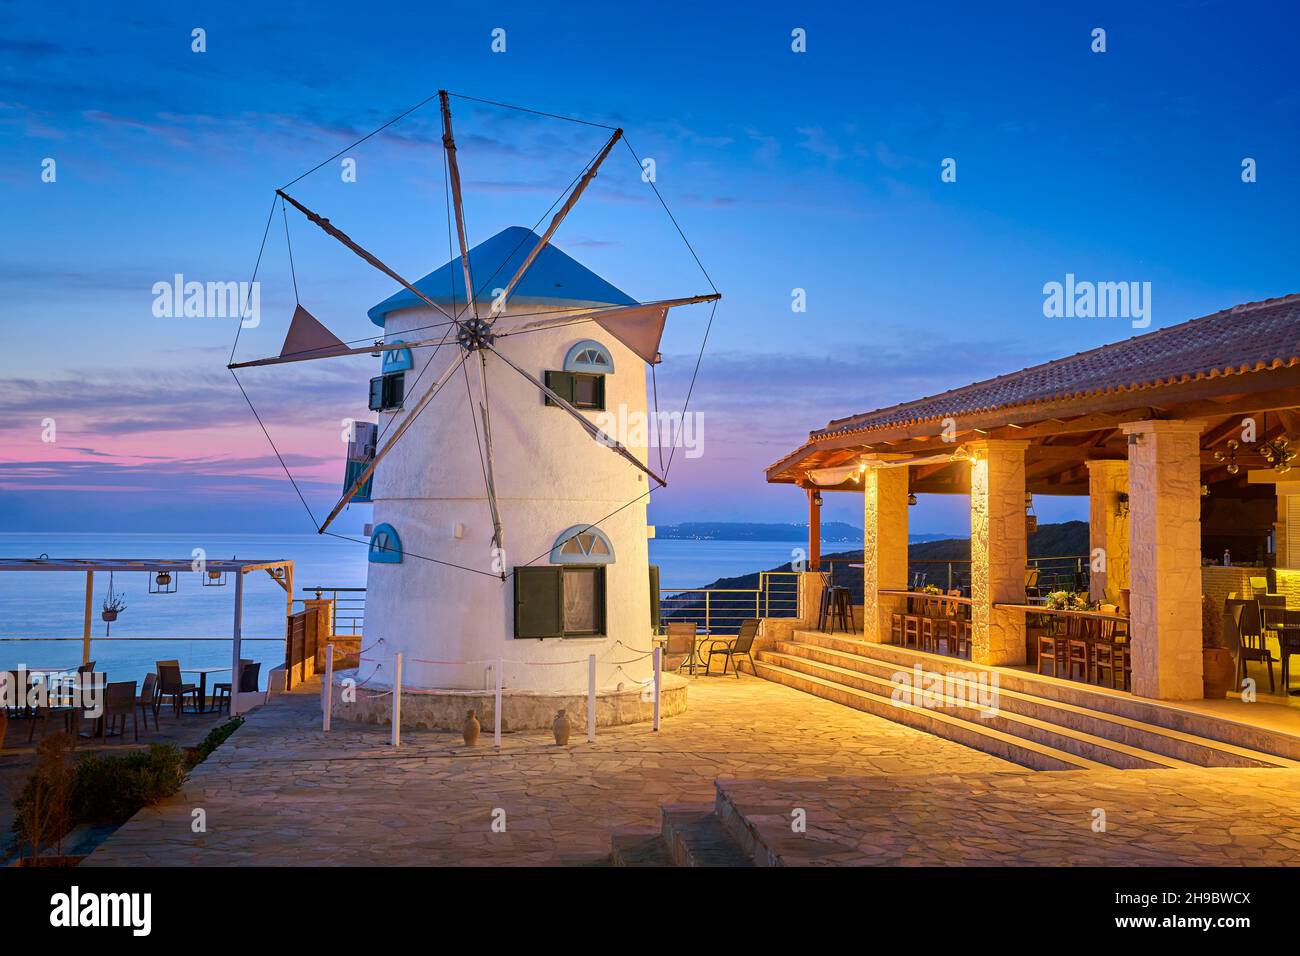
x=654, y=598
x=539, y=601
x=377, y=393
x=561, y=383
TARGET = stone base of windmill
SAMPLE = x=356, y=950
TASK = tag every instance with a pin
x=424, y=709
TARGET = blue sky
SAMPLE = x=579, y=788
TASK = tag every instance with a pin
x=816, y=170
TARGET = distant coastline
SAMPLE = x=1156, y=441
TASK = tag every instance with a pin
x=831, y=531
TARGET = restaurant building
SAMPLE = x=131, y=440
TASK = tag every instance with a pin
x=1181, y=438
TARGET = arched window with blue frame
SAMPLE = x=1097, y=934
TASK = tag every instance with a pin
x=385, y=545
x=395, y=360
x=589, y=356
x=582, y=544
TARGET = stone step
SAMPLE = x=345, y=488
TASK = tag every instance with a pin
x=1101, y=749
x=695, y=836
x=1252, y=742
x=1153, y=739
x=639, y=848
x=1016, y=749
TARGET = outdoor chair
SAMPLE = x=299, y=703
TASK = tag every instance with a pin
x=119, y=703
x=679, y=649
x=1078, y=656
x=1031, y=582
x=735, y=647
x=1272, y=610
x=1051, y=648
x=221, y=689
x=248, y=676
x=1105, y=651
x=1250, y=630
x=149, y=701
x=171, y=685
x=1289, y=643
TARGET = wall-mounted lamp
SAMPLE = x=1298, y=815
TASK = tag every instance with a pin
x=911, y=499
x=1121, y=503
x=817, y=498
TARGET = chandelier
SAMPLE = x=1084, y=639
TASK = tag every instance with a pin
x=1230, y=456
x=1278, y=453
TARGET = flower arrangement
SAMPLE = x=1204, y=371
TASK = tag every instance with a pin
x=931, y=589
x=1069, y=601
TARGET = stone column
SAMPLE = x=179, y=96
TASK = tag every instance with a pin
x=1107, y=530
x=1164, y=477
x=884, y=547
x=998, y=550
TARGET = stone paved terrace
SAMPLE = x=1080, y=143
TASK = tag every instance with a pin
x=279, y=792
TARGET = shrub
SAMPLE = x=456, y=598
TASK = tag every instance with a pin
x=44, y=806
x=110, y=788
x=215, y=738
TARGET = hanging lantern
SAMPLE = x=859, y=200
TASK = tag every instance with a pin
x=911, y=500
x=1031, y=519
x=214, y=579
x=164, y=582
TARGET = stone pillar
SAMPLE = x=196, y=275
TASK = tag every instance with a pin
x=998, y=550
x=1107, y=530
x=1164, y=477
x=884, y=547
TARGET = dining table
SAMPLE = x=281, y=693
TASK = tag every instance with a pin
x=203, y=673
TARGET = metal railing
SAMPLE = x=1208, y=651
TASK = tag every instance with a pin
x=721, y=610
x=349, y=610
x=1055, y=573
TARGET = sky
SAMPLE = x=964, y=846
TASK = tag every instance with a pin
x=818, y=171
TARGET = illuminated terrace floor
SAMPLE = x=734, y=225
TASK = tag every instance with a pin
x=280, y=792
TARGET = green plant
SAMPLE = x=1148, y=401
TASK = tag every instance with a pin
x=1069, y=601
x=931, y=589
x=110, y=788
x=215, y=738
x=44, y=806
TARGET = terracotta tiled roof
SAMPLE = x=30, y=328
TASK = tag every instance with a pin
x=1245, y=338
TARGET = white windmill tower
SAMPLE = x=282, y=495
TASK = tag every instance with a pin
x=509, y=524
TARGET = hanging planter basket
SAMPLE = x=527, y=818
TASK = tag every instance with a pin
x=108, y=615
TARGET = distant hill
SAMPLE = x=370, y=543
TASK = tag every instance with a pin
x=1069, y=538
x=835, y=531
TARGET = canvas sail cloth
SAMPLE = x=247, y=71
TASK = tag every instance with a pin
x=308, y=338
x=638, y=327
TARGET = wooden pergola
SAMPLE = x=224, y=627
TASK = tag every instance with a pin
x=1215, y=401
x=280, y=570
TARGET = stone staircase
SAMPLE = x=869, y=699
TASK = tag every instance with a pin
x=1038, y=722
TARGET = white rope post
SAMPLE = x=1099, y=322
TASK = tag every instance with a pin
x=397, y=700
x=496, y=732
x=591, y=698
x=658, y=673
x=328, y=688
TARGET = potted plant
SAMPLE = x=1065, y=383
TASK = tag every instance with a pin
x=1218, y=669
x=114, y=604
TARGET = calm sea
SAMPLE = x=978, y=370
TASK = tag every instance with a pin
x=50, y=604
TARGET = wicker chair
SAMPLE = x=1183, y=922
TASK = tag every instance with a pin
x=171, y=685
x=119, y=703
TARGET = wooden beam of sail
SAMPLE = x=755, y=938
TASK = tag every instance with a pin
x=374, y=260
x=453, y=174
x=607, y=440
x=490, y=474
x=612, y=316
x=388, y=446
x=639, y=327
x=500, y=302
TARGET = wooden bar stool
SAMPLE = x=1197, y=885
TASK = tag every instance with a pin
x=1077, y=650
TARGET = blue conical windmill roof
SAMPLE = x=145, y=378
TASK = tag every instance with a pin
x=553, y=278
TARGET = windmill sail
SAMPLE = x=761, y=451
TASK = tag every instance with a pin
x=640, y=329
x=308, y=338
